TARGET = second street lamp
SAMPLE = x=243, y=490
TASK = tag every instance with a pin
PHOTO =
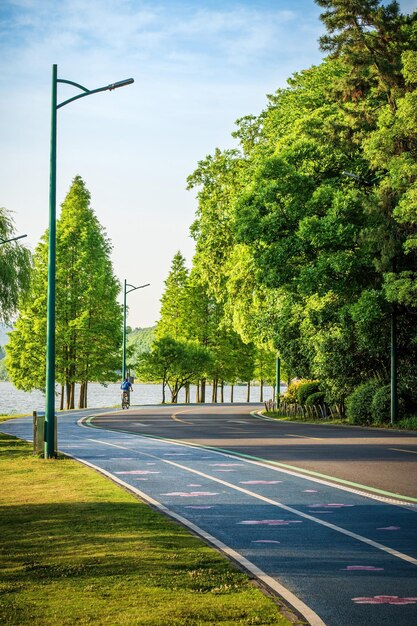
x=125, y=292
x=51, y=298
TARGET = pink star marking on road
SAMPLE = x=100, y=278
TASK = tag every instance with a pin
x=259, y=482
x=364, y=568
x=384, y=600
x=190, y=494
x=271, y=522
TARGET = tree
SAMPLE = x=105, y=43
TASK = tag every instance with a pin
x=173, y=363
x=15, y=268
x=172, y=311
x=88, y=317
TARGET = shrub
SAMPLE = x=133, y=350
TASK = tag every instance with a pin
x=291, y=394
x=381, y=404
x=305, y=390
x=358, y=404
x=408, y=423
x=315, y=398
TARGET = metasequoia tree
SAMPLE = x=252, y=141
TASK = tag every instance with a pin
x=88, y=317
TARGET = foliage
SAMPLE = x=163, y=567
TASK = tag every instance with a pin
x=172, y=312
x=315, y=399
x=88, y=317
x=174, y=363
x=290, y=395
x=138, y=341
x=359, y=402
x=15, y=268
x=305, y=390
x=408, y=423
x=305, y=233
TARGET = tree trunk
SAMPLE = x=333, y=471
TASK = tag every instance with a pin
x=203, y=391
x=80, y=397
x=197, y=392
x=222, y=391
x=261, y=391
x=72, y=396
x=187, y=393
x=163, y=392
x=232, y=389
x=86, y=394
x=214, y=391
x=68, y=399
x=248, y=392
x=61, y=404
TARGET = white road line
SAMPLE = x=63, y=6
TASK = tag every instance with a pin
x=348, y=533
x=400, y=450
x=312, y=617
x=275, y=466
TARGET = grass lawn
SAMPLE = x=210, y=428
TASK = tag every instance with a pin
x=78, y=549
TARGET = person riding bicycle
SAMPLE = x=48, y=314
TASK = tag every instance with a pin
x=126, y=388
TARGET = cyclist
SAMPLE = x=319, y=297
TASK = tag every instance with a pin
x=126, y=388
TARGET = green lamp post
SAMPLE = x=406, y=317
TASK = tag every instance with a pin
x=51, y=298
x=125, y=292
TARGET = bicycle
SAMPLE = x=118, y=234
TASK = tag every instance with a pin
x=125, y=400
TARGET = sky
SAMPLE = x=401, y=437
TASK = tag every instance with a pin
x=198, y=67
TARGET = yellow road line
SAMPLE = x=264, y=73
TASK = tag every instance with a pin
x=304, y=437
x=177, y=419
x=400, y=450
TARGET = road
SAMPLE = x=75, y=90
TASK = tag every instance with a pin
x=383, y=460
x=338, y=557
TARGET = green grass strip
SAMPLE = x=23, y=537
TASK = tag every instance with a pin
x=78, y=549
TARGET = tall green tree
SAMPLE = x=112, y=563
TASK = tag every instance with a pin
x=88, y=317
x=173, y=308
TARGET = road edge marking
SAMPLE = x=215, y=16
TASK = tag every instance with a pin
x=339, y=483
x=268, y=581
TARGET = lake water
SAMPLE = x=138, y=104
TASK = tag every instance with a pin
x=14, y=401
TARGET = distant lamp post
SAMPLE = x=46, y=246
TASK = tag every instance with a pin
x=51, y=299
x=2, y=241
x=125, y=292
x=394, y=341
x=277, y=380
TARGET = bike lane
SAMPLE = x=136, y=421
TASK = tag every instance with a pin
x=350, y=559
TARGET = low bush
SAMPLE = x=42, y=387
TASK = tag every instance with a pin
x=315, y=398
x=305, y=390
x=291, y=394
x=381, y=405
x=358, y=404
x=408, y=423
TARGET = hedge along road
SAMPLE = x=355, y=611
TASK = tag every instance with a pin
x=340, y=558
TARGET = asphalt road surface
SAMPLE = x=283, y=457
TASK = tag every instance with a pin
x=381, y=459
x=339, y=557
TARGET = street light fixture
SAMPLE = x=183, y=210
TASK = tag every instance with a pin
x=125, y=292
x=2, y=241
x=50, y=320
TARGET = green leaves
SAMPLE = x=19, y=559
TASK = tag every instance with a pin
x=88, y=317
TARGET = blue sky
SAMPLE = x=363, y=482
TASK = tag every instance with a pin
x=198, y=66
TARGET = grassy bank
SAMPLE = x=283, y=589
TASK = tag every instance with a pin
x=77, y=549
